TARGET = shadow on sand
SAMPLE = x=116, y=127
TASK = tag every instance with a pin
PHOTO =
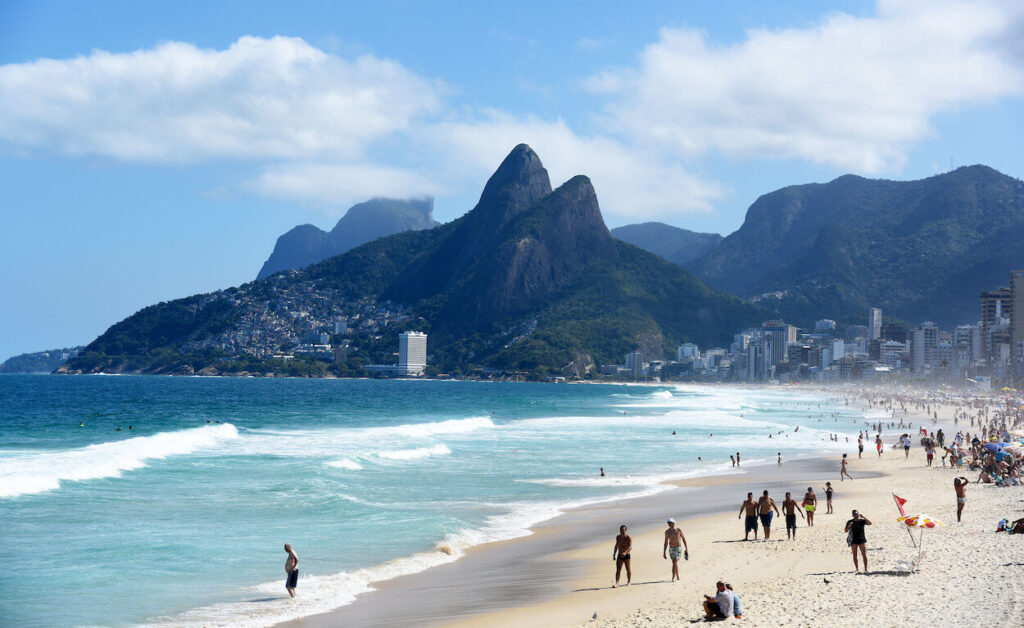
x=635, y=584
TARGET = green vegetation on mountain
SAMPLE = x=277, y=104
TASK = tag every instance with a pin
x=529, y=280
x=920, y=250
x=674, y=244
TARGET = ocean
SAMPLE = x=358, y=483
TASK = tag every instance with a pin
x=181, y=519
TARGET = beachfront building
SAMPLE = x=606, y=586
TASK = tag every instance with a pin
x=412, y=353
x=1017, y=309
x=923, y=346
x=874, y=323
x=776, y=335
x=996, y=307
x=687, y=350
x=635, y=363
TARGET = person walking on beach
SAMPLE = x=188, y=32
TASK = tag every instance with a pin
x=828, y=497
x=765, y=505
x=810, y=505
x=878, y=445
x=960, y=486
x=750, y=506
x=906, y=445
x=291, y=567
x=860, y=446
x=843, y=471
x=620, y=554
x=789, y=508
x=856, y=538
x=675, y=545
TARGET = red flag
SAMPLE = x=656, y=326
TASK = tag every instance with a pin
x=899, y=503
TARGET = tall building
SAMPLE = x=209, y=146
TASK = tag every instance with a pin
x=874, y=323
x=776, y=336
x=412, y=353
x=1017, y=309
x=635, y=363
x=825, y=324
x=923, y=346
x=688, y=350
x=996, y=310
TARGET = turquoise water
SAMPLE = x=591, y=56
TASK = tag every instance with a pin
x=181, y=520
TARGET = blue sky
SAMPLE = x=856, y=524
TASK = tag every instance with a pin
x=150, y=152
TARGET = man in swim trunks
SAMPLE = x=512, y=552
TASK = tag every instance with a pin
x=860, y=447
x=790, y=510
x=960, y=486
x=291, y=567
x=764, y=511
x=750, y=506
x=623, y=547
x=828, y=497
x=675, y=545
x=810, y=505
x=878, y=445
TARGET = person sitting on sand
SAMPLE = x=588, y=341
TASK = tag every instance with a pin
x=621, y=554
x=737, y=612
x=765, y=505
x=857, y=538
x=721, y=606
x=789, y=509
x=810, y=504
x=750, y=506
x=675, y=545
x=960, y=487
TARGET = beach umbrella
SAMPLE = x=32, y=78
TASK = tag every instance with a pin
x=920, y=521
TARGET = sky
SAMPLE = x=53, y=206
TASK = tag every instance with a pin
x=149, y=151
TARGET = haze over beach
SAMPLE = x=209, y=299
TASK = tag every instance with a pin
x=409, y=314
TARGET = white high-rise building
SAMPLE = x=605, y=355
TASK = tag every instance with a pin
x=875, y=323
x=412, y=353
x=688, y=350
x=635, y=363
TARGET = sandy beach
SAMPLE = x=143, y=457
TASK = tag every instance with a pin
x=562, y=575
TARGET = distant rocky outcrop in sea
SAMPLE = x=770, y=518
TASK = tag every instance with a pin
x=362, y=223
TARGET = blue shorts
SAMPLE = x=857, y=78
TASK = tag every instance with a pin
x=293, y=579
x=766, y=520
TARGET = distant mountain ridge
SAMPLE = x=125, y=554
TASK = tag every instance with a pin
x=362, y=223
x=39, y=361
x=530, y=280
x=920, y=250
x=674, y=244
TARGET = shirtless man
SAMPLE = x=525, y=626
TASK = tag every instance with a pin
x=843, y=473
x=675, y=545
x=765, y=505
x=751, y=523
x=960, y=486
x=878, y=445
x=623, y=548
x=291, y=567
x=810, y=505
x=790, y=509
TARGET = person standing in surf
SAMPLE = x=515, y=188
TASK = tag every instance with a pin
x=291, y=567
x=675, y=545
x=621, y=555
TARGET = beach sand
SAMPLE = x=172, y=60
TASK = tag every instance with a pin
x=562, y=575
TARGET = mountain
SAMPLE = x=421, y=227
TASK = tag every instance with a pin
x=365, y=222
x=920, y=250
x=530, y=280
x=38, y=362
x=674, y=244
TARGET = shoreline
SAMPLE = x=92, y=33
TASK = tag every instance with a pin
x=498, y=580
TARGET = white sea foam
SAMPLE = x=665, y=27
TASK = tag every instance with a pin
x=345, y=463
x=412, y=454
x=26, y=473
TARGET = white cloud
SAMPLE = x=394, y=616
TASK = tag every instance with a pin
x=259, y=98
x=336, y=187
x=850, y=92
